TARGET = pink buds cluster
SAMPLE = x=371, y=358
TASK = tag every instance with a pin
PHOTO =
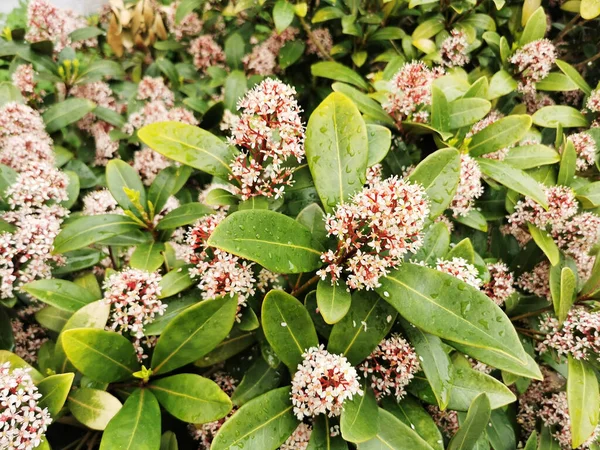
x=469, y=187
x=453, y=50
x=578, y=335
x=206, y=52
x=501, y=284
x=461, y=269
x=533, y=63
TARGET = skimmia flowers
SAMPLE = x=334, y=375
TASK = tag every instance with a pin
x=381, y=225
x=22, y=422
x=533, y=63
x=578, y=335
x=469, y=187
x=453, y=50
x=270, y=132
x=322, y=383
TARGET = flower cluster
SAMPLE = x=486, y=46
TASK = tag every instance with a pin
x=453, y=50
x=263, y=58
x=593, y=101
x=461, y=269
x=189, y=25
x=100, y=202
x=134, y=297
x=206, y=432
x=469, y=187
x=586, y=149
x=219, y=273
x=530, y=401
x=323, y=37
x=381, y=225
x=322, y=383
x=206, y=52
x=270, y=131
x=446, y=420
x=578, y=335
x=299, y=438
x=46, y=22
x=22, y=422
x=29, y=338
x=390, y=367
x=492, y=117
x=537, y=281
x=501, y=284
x=533, y=63
x=23, y=79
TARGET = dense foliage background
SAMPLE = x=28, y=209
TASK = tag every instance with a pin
x=325, y=225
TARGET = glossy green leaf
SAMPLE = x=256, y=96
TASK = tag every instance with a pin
x=175, y=281
x=283, y=15
x=191, y=398
x=556, y=82
x=359, y=421
x=444, y=306
x=194, y=333
x=439, y=175
x=183, y=215
x=440, y=111
x=321, y=439
x=333, y=300
x=61, y=294
x=148, y=257
x=501, y=84
x=545, y=242
x=568, y=164
x=474, y=425
x=589, y=195
x=502, y=433
x=54, y=390
x=467, y=111
x=168, y=441
x=276, y=242
x=338, y=72
x=62, y=114
x=190, y=145
x=583, y=399
x=364, y=103
x=84, y=231
x=175, y=305
x=235, y=342
x=259, y=379
x=337, y=149
x=92, y=407
x=590, y=9
x=531, y=156
x=394, y=434
x=136, y=426
x=235, y=88
x=535, y=28
x=513, y=178
x=313, y=218
x=574, y=75
x=162, y=187
x=380, y=141
x=435, y=244
x=500, y=134
x=287, y=327
x=100, y=355
x=367, y=322
x=553, y=116
x=266, y=421
x=17, y=362
x=121, y=177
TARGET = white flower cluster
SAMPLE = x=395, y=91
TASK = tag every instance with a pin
x=453, y=50
x=469, y=187
x=299, y=438
x=461, y=269
x=533, y=63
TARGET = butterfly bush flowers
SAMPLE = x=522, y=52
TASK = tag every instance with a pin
x=375, y=231
x=322, y=383
x=22, y=421
x=269, y=132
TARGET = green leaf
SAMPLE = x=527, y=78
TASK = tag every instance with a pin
x=101, y=355
x=499, y=135
x=589, y=195
x=121, y=177
x=194, y=333
x=440, y=111
x=556, y=82
x=439, y=174
x=474, y=425
x=148, y=257
x=183, y=215
x=260, y=378
x=336, y=149
x=321, y=439
x=7, y=341
x=64, y=113
x=553, y=116
x=110, y=116
x=367, y=322
x=73, y=188
x=235, y=342
x=501, y=434
x=444, y=306
x=360, y=417
x=531, y=156
x=9, y=93
x=535, y=28
x=162, y=188
x=313, y=218
x=501, y=84
x=435, y=244
x=191, y=398
x=464, y=249
x=54, y=390
x=338, y=72
x=583, y=399
x=568, y=164
x=513, y=178
x=61, y=294
x=467, y=111
x=169, y=70
x=79, y=260
x=327, y=13
x=17, y=362
x=412, y=414
x=364, y=103
x=394, y=434
x=85, y=33
x=175, y=281
x=532, y=441
x=191, y=146
x=84, y=231
x=435, y=362
x=235, y=88
x=175, y=305
x=283, y=15
x=92, y=407
x=545, y=242
x=333, y=300
x=168, y=441
x=186, y=7
x=220, y=197
x=574, y=75
x=267, y=420
x=290, y=53
x=234, y=50
x=276, y=242
x=547, y=441
x=380, y=141
x=287, y=327
x=136, y=425
x=590, y=9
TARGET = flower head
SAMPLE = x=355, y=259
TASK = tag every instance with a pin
x=537, y=281
x=36, y=185
x=381, y=225
x=206, y=52
x=578, y=335
x=22, y=422
x=263, y=58
x=100, y=202
x=533, y=63
x=323, y=36
x=586, y=149
x=501, y=284
x=593, y=101
x=322, y=383
x=446, y=420
x=461, y=269
x=469, y=187
x=189, y=25
x=23, y=79
x=390, y=367
x=299, y=438
x=454, y=49
x=29, y=338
